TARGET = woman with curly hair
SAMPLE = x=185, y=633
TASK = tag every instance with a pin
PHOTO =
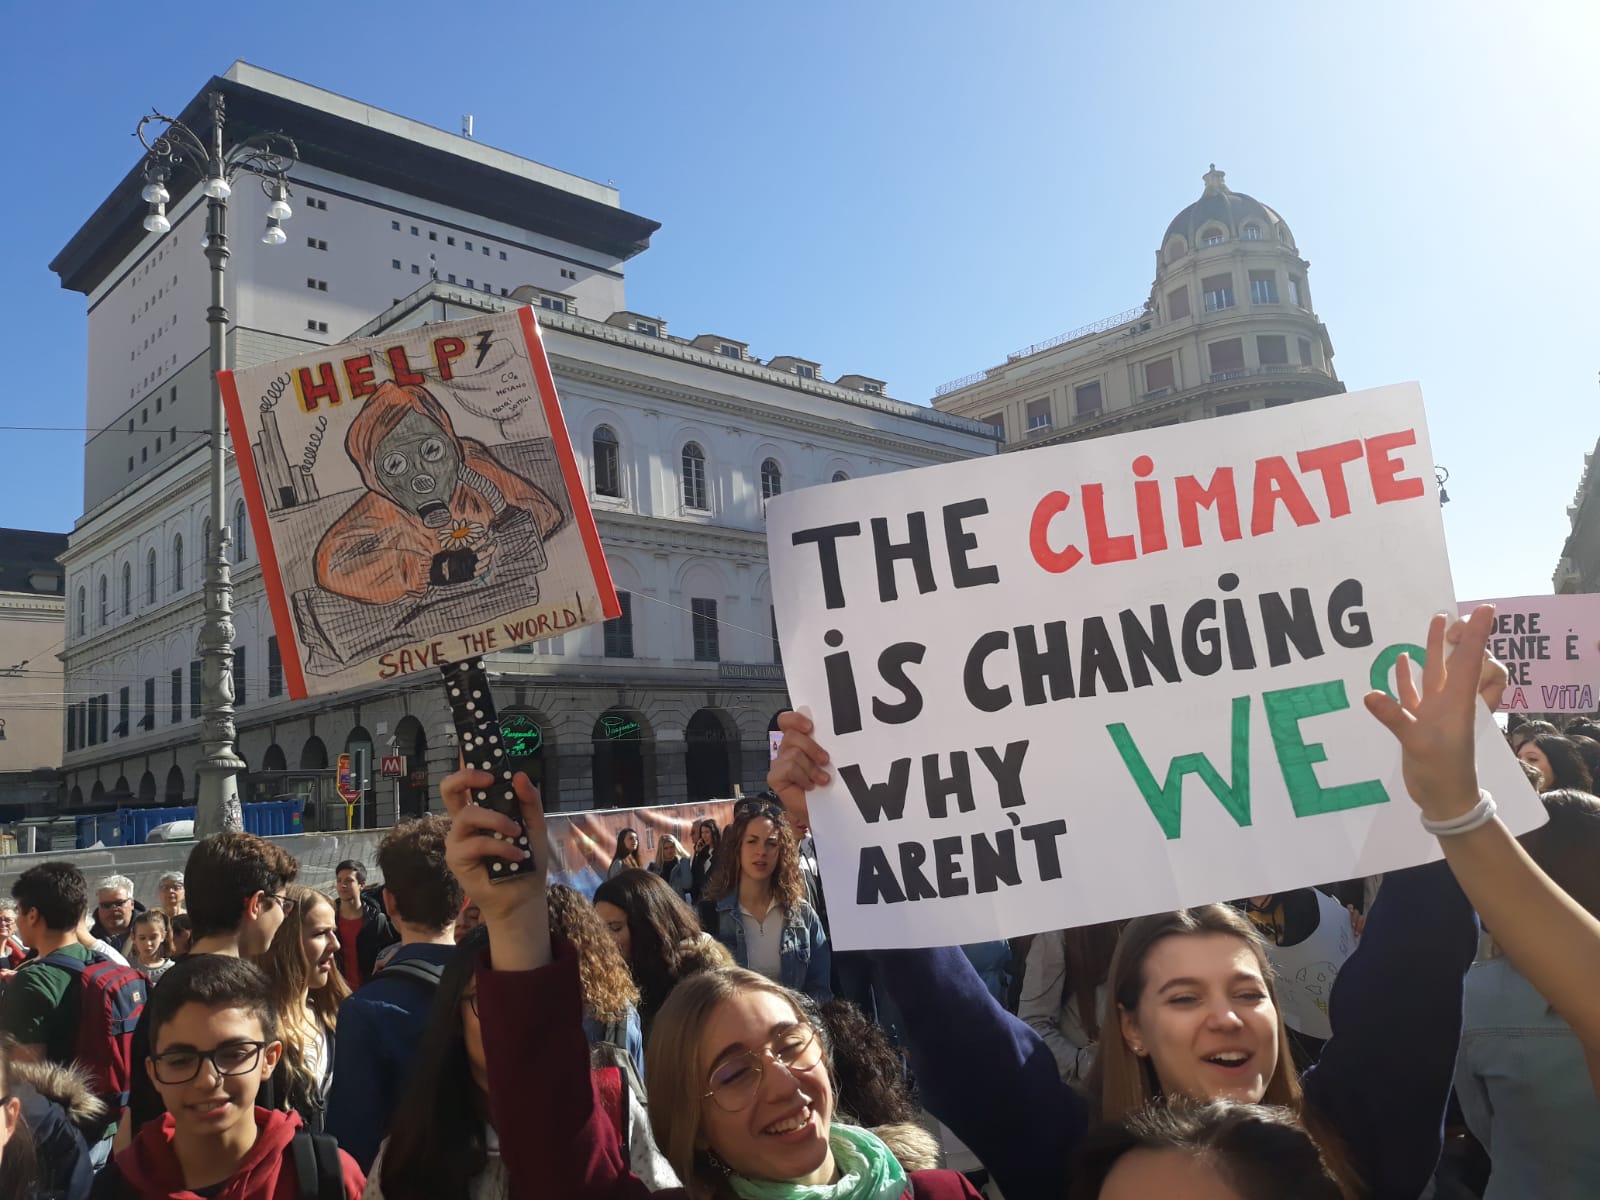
x=759, y=898
x=609, y=993
x=657, y=935
x=302, y=965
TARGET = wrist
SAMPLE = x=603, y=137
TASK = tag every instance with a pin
x=1448, y=803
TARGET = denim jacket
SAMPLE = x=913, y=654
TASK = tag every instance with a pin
x=1525, y=1090
x=806, y=961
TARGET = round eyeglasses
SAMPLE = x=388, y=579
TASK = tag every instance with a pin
x=735, y=1081
x=230, y=1058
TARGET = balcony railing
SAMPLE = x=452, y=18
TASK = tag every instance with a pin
x=1072, y=335
x=1221, y=376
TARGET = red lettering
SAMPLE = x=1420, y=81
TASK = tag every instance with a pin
x=1219, y=493
x=1275, y=485
x=358, y=373
x=387, y=667
x=544, y=622
x=309, y=392
x=1329, y=461
x=1385, y=471
x=1103, y=548
x=1147, y=503
x=404, y=376
x=445, y=352
x=1054, y=561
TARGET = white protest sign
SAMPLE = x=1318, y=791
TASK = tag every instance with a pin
x=1097, y=680
x=1306, y=970
x=1551, y=648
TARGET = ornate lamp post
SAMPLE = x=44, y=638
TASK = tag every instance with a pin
x=170, y=144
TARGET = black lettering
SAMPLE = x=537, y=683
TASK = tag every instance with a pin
x=979, y=694
x=1098, y=657
x=875, y=879
x=842, y=699
x=1282, y=625
x=1202, y=644
x=826, y=539
x=937, y=789
x=946, y=868
x=879, y=799
x=1241, y=654
x=914, y=548
x=994, y=864
x=1572, y=647
x=891, y=666
x=959, y=543
x=1148, y=648
x=912, y=857
x=1007, y=771
x=1346, y=620
x=1043, y=836
x=1054, y=662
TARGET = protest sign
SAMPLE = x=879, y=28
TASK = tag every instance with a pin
x=1101, y=679
x=1306, y=970
x=1551, y=648
x=414, y=500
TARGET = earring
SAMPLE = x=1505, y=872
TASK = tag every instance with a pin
x=1139, y=1050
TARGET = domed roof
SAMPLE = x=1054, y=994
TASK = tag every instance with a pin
x=1221, y=205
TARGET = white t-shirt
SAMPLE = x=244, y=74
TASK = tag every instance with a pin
x=763, y=941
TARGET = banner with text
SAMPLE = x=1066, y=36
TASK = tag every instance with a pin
x=414, y=500
x=1096, y=680
x=1551, y=648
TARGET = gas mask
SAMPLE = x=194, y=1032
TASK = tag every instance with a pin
x=418, y=468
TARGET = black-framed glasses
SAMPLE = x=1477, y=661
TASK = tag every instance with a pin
x=758, y=806
x=735, y=1081
x=230, y=1058
x=283, y=901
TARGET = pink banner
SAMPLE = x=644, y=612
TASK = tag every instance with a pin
x=1551, y=648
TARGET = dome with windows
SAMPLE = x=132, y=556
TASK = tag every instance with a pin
x=1222, y=215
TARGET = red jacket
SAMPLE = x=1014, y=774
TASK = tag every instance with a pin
x=149, y=1168
x=555, y=1138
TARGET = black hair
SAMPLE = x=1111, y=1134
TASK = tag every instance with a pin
x=352, y=864
x=1566, y=763
x=57, y=890
x=224, y=871
x=436, y=1143
x=662, y=930
x=1263, y=1152
x=216, y=981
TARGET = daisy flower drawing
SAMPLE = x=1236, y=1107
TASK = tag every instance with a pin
x=461, y=535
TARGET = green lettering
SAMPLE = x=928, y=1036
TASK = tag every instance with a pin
x=1384, y=664
x=1297, y=759
x=1166, y=800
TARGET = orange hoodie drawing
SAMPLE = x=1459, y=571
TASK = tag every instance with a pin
x=434, y=506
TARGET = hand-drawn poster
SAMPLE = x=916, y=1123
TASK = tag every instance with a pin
x=1306, y=971
x=1550, y=646
x=415, y=500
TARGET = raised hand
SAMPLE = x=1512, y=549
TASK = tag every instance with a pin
x=514, y=909
x=798, y=767
x=1434, y=726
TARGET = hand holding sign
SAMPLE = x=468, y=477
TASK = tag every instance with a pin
x=515, y=910
x=797, y=768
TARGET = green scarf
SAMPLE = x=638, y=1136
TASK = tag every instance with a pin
x=867, y=1171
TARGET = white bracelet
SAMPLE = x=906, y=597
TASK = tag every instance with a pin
x=1479, y=815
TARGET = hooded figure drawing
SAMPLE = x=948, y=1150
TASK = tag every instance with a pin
x=436, y=509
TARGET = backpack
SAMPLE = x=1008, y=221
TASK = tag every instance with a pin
x=424, y=974
x=111, y=1000
x=317, y=1166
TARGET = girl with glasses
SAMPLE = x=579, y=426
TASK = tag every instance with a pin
x=741, y=1097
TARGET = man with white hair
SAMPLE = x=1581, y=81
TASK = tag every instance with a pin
x=172, y=894
x=114, y=910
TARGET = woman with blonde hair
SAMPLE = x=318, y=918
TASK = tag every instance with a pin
x=672, y=863
x=302, y=965
x=742, y=1101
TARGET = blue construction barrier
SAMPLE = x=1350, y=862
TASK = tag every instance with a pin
x=132, y=826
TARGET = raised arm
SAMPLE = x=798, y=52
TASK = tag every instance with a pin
x=1543, y=931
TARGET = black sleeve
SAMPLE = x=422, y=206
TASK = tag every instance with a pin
x=65, y=1172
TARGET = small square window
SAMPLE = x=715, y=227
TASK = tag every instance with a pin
x=416, y=270
x=415, y=232
x=452, y=278
x=449, y=241
x=486, y=252
x=395, y=263
x=394, y=225
x=432, y=236
x=471, y=284
x=469, y=245
x=502, y=256
x=322, y=285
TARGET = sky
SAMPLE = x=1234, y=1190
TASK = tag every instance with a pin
x=913, y=190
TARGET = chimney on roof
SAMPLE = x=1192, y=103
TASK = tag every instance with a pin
x=466, y=125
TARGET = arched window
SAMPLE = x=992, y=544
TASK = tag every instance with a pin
x=839, y=477
x=83, y=612
x=177, y=562
x=127, y=589
x=241, y=537
x=150, y=576
x=1212, y=237
x=607, y=463
x=771, y=479
x=1252, y=232
x=694, y=476
x=105, y=600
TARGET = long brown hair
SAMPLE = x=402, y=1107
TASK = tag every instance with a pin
x=608, y=987
x=788, y=889
x=288, y=971
x=1123, y=1082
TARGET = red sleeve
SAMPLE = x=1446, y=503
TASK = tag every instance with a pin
x=555, y=1139
x=943, y=1185
x=355, y=1180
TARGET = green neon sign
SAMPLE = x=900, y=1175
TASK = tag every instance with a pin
x=522, y=735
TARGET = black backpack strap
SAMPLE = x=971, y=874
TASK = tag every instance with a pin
x=425, y=973
x=330, y=1171
x=305, y=1165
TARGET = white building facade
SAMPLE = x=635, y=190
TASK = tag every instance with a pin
x=397, y=224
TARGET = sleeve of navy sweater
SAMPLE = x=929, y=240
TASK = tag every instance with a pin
x=984, y=1073
x=1384, y=1079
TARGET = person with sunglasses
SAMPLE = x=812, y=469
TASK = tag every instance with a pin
x=114, y=911
x=758, y=898
x=213, y=1045
x=741, y=1095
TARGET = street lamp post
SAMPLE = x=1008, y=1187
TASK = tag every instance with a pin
x=269, y=157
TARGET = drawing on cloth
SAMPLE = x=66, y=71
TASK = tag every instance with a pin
x=415, y=500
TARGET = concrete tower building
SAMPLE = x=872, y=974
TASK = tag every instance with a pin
x=1228, y=327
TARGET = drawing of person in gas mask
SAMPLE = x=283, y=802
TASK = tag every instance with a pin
x=438, y=510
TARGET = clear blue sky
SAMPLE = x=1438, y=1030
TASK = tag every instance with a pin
x=911, y=190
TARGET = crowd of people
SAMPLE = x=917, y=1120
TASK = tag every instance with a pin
x=690, y=1033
